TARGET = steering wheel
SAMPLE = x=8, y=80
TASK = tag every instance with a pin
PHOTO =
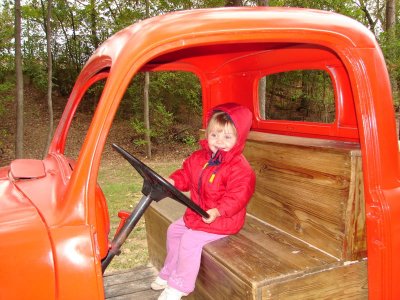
x=155, y=186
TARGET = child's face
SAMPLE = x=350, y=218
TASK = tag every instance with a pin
x=221, y=138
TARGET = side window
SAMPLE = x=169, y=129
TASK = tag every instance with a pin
x=82, y=118
x=299, y=95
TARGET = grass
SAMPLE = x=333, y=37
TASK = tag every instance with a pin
x=121, y=185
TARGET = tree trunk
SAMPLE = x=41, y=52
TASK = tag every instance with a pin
x=390, y=16
x=390, y=28
x=368, y=16
x=262, y=83
x=19, y=136
x=262, y=96
x=147, y=114
x=77, y=51
x=93, y=24
x=49, y=77
x=146, y=111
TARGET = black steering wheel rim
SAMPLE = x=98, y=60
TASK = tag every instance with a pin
x=157, y=186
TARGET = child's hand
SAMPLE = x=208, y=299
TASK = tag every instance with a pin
x=170, y=180
x=213, y=214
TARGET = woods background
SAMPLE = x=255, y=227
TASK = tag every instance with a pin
x=45, y=43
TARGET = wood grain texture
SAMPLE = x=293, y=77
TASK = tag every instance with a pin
x=355, y=243
x=239, y=266
x=131, y=284
x=341, y=283
x=313, y=193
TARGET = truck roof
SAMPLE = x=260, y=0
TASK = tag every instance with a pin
x=184, y=27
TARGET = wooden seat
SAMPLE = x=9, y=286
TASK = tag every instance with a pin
x=312, y=189
x=304, y=236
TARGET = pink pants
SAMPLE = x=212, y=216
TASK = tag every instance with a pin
x=184, y=248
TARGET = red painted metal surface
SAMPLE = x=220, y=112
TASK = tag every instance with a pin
x=56, y=226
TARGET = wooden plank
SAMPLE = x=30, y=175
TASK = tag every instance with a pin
x=131, y=284
x=346, y=282
x=337, y=146
x=121, y=277
x=260, y=253
x=303, y=191
x=215, y=281
x=355, y=245
x=143, y=295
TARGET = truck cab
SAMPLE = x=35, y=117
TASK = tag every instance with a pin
x=324, y=219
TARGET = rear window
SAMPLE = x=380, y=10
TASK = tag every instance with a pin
x=299, y=95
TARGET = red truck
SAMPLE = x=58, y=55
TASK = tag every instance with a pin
x=325, y=219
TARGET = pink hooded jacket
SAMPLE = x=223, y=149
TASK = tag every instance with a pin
x=226, y=183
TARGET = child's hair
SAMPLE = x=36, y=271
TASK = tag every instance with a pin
x=220, y=120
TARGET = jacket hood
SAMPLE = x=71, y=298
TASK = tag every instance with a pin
x=242, y=118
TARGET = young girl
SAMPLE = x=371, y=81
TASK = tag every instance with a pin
x=220, y=181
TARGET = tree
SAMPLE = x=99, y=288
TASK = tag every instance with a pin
x=262, y=82
x=93, y=24
x=146, y=114
x=390, y=15
x=146, y=103
x=78, y=28
x=7, y=44
x=372, y=13
x=390, y=28
x=49, y=73
x=19, y=136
